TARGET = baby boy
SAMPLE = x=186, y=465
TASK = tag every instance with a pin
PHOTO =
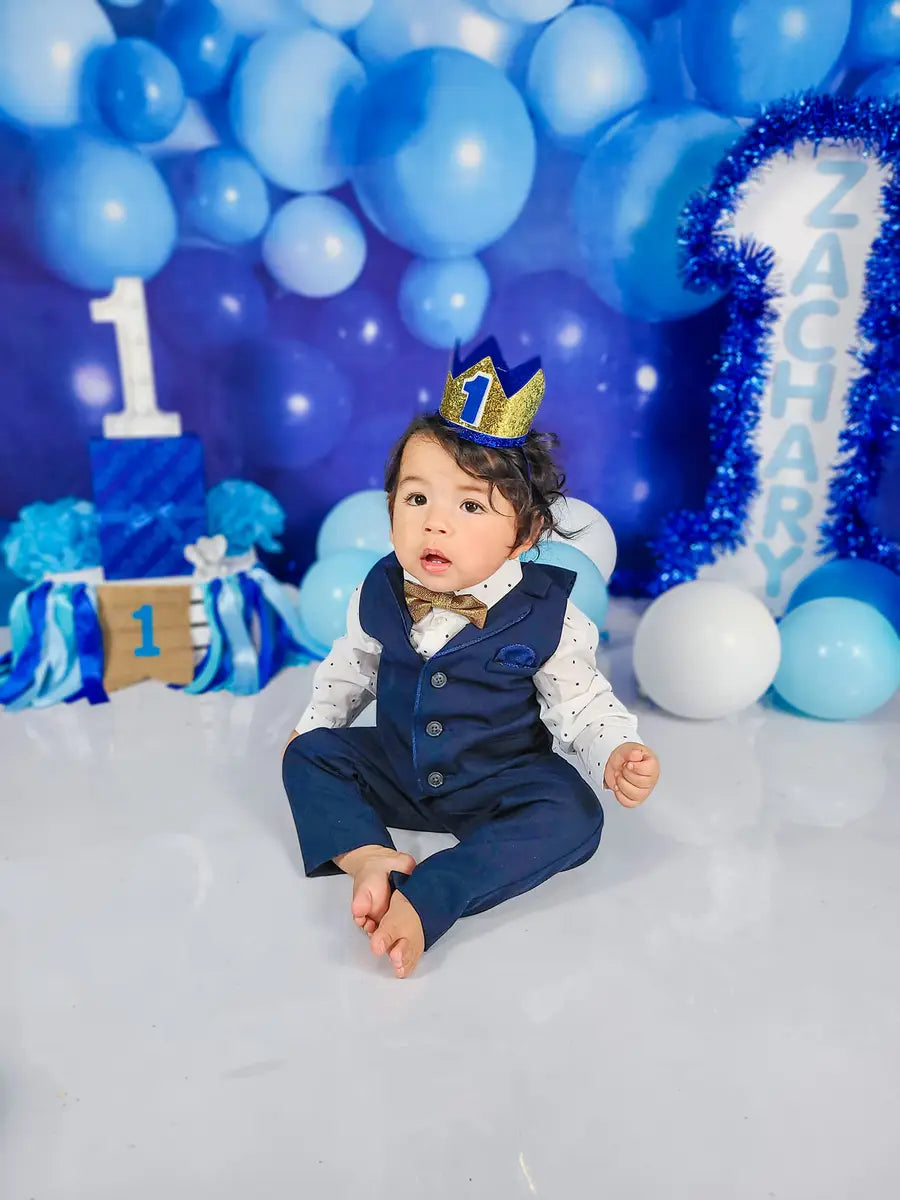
x=480, y=663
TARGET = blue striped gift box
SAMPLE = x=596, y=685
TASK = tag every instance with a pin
x=151, y=503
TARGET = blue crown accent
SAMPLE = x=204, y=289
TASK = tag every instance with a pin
x=485, y=439
x=512, y=380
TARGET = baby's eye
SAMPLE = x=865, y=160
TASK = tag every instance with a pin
x=472, y=506
x=416, y=498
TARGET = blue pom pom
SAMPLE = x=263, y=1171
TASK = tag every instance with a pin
x=52, y=537
x=246, y=514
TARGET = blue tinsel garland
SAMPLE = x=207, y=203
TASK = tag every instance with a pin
x=713, y=258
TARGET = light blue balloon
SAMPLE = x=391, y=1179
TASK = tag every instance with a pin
x=883, y=85
x=339, y=15
x=326, y=590
x=314, y=246
x=840, y=659
x=397, y=27
x=294, y=104
x=101, y=210
x=198, y=38
x=48, y=58
x=628, y=203
x=446, y=153
x=745, y=53
x=875, y=33
x=589, y=593
x=588, y=68
x=528, y=10
x=358, y=522
x=854, y=579
x=140, y=92
x=228, y=200
x=442, y=302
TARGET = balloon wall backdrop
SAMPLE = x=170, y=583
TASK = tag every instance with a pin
x=321, y=196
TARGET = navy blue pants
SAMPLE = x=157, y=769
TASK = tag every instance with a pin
x=515, y=828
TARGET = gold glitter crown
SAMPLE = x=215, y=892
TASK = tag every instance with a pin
x=486, y=402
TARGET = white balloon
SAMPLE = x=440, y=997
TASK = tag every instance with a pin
x=706, y=649
x=596, y=539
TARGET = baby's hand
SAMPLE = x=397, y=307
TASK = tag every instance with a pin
x=631, y=773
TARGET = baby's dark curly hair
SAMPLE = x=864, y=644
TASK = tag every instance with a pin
x=526, y=475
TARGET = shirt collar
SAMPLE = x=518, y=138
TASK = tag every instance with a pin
x=492, y=589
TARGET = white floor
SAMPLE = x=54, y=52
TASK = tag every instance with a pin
x=708, y=1009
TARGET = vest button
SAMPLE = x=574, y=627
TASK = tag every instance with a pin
x=434, y=729
x=435, y=779
x=438, y=679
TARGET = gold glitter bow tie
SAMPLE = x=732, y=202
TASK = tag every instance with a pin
x=420, y=600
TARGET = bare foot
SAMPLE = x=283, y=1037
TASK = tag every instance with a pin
x=400, y=936
x=370, y=867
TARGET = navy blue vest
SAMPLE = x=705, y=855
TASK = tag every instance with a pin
x=472, y=708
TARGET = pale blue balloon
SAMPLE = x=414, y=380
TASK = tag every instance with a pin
x=339, y=15
x=228, y=200
x=48, y=59
x=358, y=522
x=743, y=54
x=397, y=27
x=443, y=301
x=854, y=579
x=101, y=210
x=314, y=246
x=294, y=105
x=528, y=10
x=840, y=659
x=628, y=203
x=140, y=91
x=589, y=593
x=326, y=590
x=254, y=17
x=446, y=153
x=883, y=85
x=588, y=68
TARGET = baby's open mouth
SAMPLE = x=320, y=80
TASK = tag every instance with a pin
x=434, y=562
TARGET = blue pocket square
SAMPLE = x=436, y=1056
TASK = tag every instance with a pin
x=515, y=655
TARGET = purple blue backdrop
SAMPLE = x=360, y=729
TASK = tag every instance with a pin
x=323, y=194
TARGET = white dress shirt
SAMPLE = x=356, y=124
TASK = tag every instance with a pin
x=576, y=702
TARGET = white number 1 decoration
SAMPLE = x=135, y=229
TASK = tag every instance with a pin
x=126, y=309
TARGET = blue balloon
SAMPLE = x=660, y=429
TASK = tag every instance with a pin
x=207, y=299
x=297, y=403
x=397, y=27
x=840, y=659
x=326, y=590
x=228, y=200
x=200, y=41
x=48, y=59
x=628, y=202
x=141, y=95
x=360, y=329
x=294, y=104
x=528, y=10
x=338, y=15
x=446, y=153
x=743, y=54
x=358, y=522
x=589, y=593
x=314, y=246
x=854, y=579
x=588, y=69
x=641, y=11
x=874, y=34
x=442, y=302
x=101, y=210
x=883, y=85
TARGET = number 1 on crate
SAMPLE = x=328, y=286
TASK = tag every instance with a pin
x=146, y=649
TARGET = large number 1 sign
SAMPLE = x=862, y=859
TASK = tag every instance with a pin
x=797, y=402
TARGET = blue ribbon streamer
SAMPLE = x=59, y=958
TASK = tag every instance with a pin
x=89, y=644
x=205, y=677
x=27, y=621
x=243, y=678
